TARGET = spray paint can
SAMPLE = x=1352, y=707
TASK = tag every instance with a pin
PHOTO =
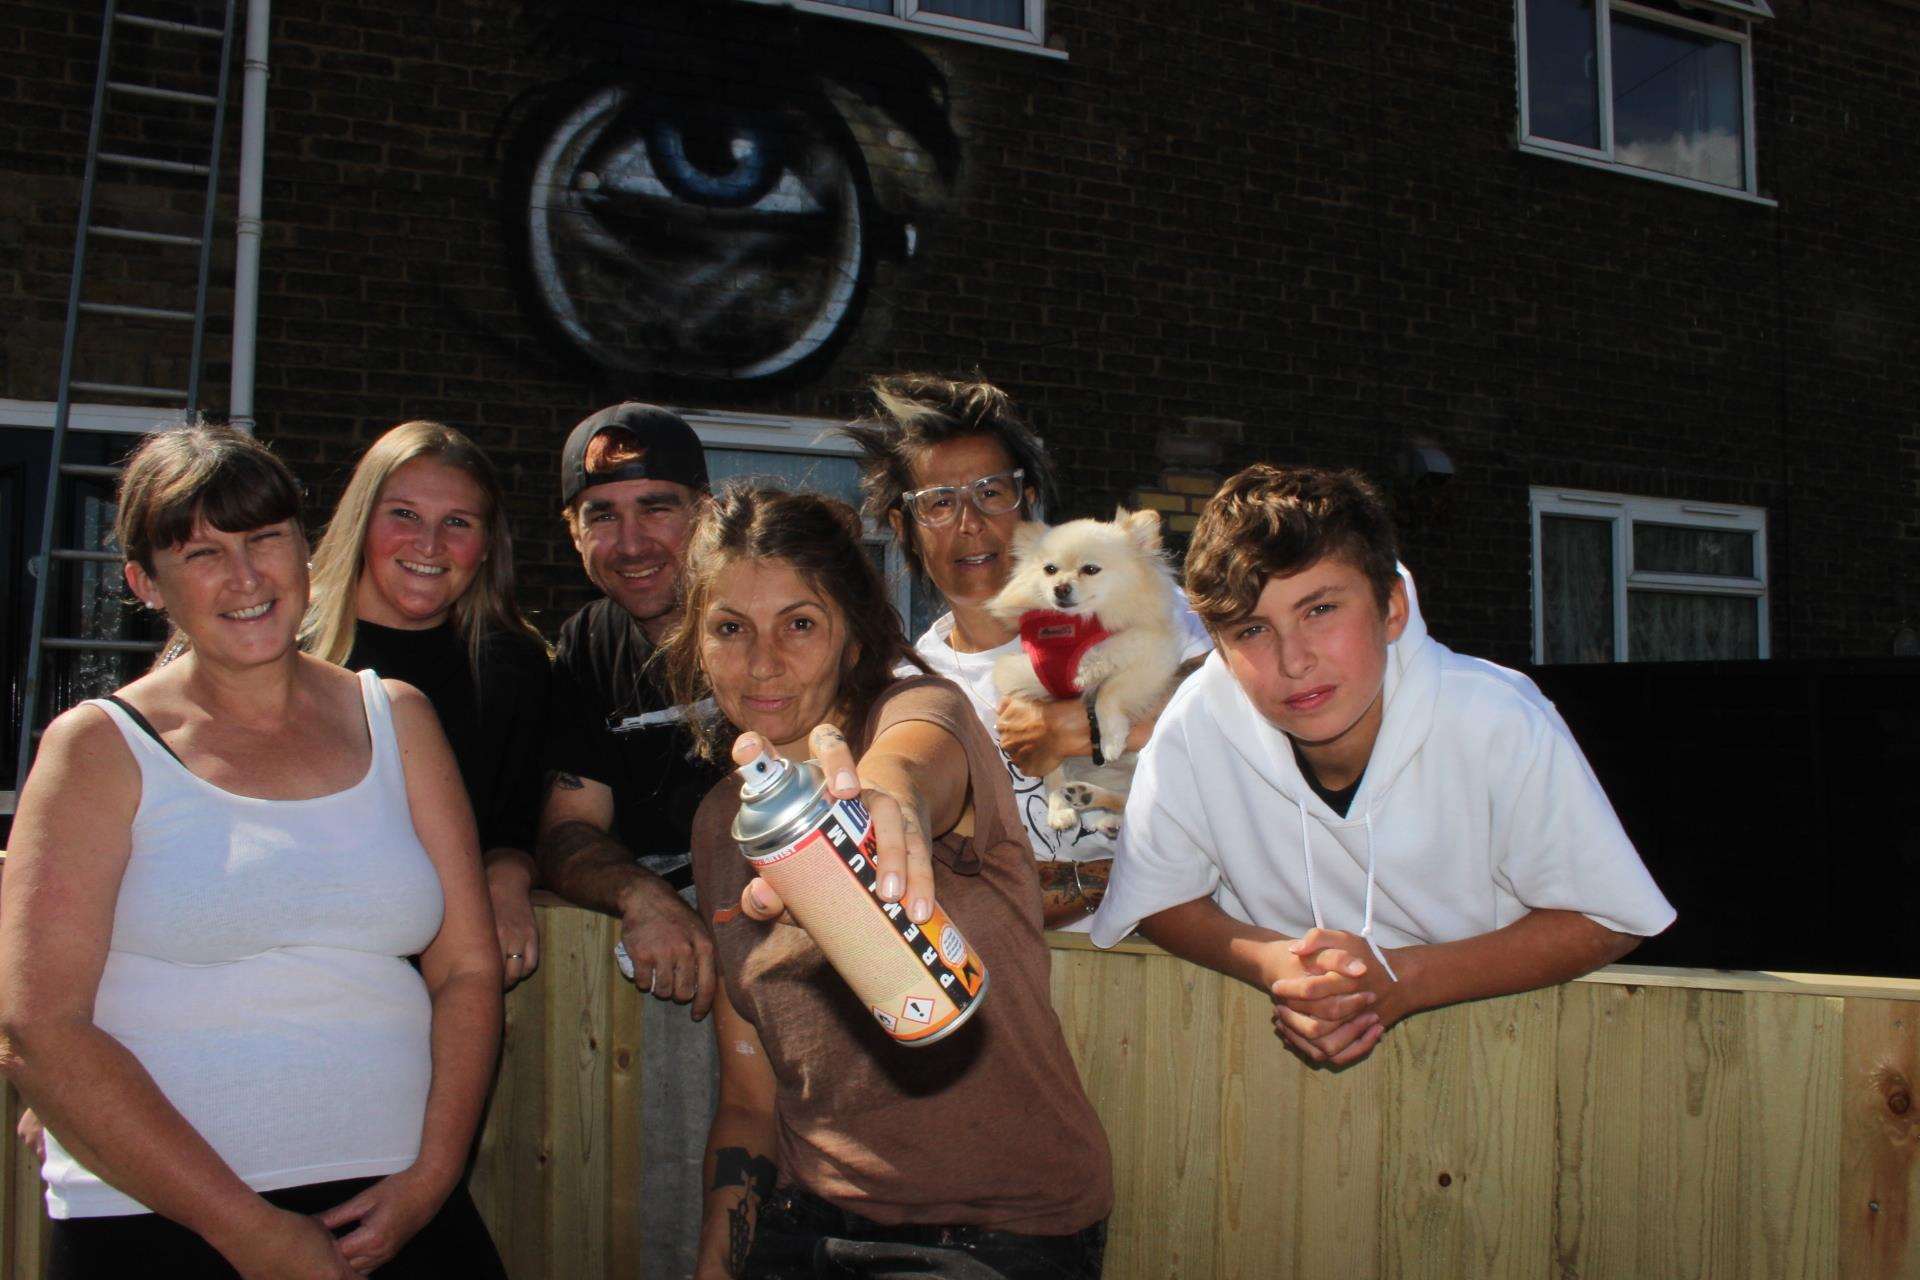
x=919, y=981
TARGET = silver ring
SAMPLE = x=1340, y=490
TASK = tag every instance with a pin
x=653, y=980
x=514, y=955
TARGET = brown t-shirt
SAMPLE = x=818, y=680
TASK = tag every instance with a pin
x=988, y=1127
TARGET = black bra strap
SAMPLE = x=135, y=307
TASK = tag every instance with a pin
x=145, y=726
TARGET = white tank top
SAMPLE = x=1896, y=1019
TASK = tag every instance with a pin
x=258, y=971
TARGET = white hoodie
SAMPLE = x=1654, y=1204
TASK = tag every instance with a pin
x=1476, y=807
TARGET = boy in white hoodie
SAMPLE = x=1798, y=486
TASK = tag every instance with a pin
x=1344, y=813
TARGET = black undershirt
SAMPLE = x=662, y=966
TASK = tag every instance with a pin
x=613, y=723
x=497, y=729
x=1339, y=799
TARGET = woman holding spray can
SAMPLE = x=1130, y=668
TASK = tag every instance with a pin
x=836, y=1148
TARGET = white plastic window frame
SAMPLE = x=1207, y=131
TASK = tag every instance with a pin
x=774, y=433
x=1622, y=511
x=115, y=419
x=1602, y=157
x=909, y=15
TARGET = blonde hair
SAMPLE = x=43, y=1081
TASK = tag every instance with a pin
x=488, y=603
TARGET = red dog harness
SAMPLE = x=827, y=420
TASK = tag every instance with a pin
x=1054, y=643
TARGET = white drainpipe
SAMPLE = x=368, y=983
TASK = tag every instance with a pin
x=246, y=258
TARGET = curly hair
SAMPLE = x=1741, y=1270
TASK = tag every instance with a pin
x=913, y=412
x=820, y=539
x=1269, y=522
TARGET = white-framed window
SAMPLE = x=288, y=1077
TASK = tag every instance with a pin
x=89, y=599
x=1643, y=88
x=1626, y=579
x=804, y=453
x=1012, y=24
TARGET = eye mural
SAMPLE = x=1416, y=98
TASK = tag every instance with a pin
x=708, y=202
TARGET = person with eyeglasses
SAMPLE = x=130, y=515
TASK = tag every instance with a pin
x=952, y=469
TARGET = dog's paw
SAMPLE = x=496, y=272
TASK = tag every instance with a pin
x=1107, y=824
x=1060, y=815
x=1077, y=794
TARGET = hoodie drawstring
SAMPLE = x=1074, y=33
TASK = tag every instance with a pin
x=1306, y=851
x=1313, y=898
x=1366, y=926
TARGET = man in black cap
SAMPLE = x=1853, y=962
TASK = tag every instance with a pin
x=617, y=822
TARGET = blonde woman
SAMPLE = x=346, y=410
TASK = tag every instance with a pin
x=414, y=580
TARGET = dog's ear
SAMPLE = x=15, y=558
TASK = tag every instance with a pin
x=1141, y=526
x=1026, y=536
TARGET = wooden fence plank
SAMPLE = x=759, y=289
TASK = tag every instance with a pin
x=1467, y=1184
x=1601, y=1031
x=1299, y=1156
x=1879, y=1183
x=626, y=1145
x=576, y=1072
x=10, y=1218
x=1790, y=1139
x=1693, y=1085
x=515, y=1148
x=1422, y=1158
x=1507, y=1134
x=24, y=1234
x=1151, y=1026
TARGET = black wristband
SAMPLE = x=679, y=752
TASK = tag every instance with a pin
x=1093, y=731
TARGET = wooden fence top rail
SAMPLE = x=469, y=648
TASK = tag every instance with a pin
x=1635, y=975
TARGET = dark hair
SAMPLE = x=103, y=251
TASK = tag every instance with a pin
x=1269, y=522
x=199, y=471
x=820, y=538
x=912, y=413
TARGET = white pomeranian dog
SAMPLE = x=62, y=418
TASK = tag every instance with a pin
x=1097, y=608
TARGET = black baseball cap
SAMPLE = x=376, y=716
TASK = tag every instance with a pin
x=667, y=450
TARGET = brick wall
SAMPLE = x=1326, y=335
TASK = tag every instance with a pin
x=1307, y=218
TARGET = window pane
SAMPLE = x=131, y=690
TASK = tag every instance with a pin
x=1004, y=13
x=833, y=475
x=1576, y=588
x=1677, y=102
x=98, y=607
x=1563, y=100
x=871, y=6
x=1667, y=626
x=1673, y=548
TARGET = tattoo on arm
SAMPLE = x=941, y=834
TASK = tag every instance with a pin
x=565, y=781
x=737, y=1167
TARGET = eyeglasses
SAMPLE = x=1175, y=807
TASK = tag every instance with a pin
x=991, y=496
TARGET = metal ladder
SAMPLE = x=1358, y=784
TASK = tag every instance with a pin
x=111, y=91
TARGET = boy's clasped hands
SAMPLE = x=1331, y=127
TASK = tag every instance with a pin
x=1331, y=1000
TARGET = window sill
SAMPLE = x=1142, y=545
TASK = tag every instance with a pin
x=1665, y=179
x=1016, y=44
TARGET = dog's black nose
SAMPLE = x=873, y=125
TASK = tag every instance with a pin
x=1063, y=592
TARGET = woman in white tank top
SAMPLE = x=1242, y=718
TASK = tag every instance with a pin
x=215, y=883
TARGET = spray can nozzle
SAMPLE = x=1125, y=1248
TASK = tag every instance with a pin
x=761, y=774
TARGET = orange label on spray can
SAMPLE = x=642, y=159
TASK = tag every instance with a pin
x=920, y=981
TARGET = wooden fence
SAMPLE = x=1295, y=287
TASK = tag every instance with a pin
x=1640, y=1123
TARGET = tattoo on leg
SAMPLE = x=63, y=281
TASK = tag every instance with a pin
x=737, y=1167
